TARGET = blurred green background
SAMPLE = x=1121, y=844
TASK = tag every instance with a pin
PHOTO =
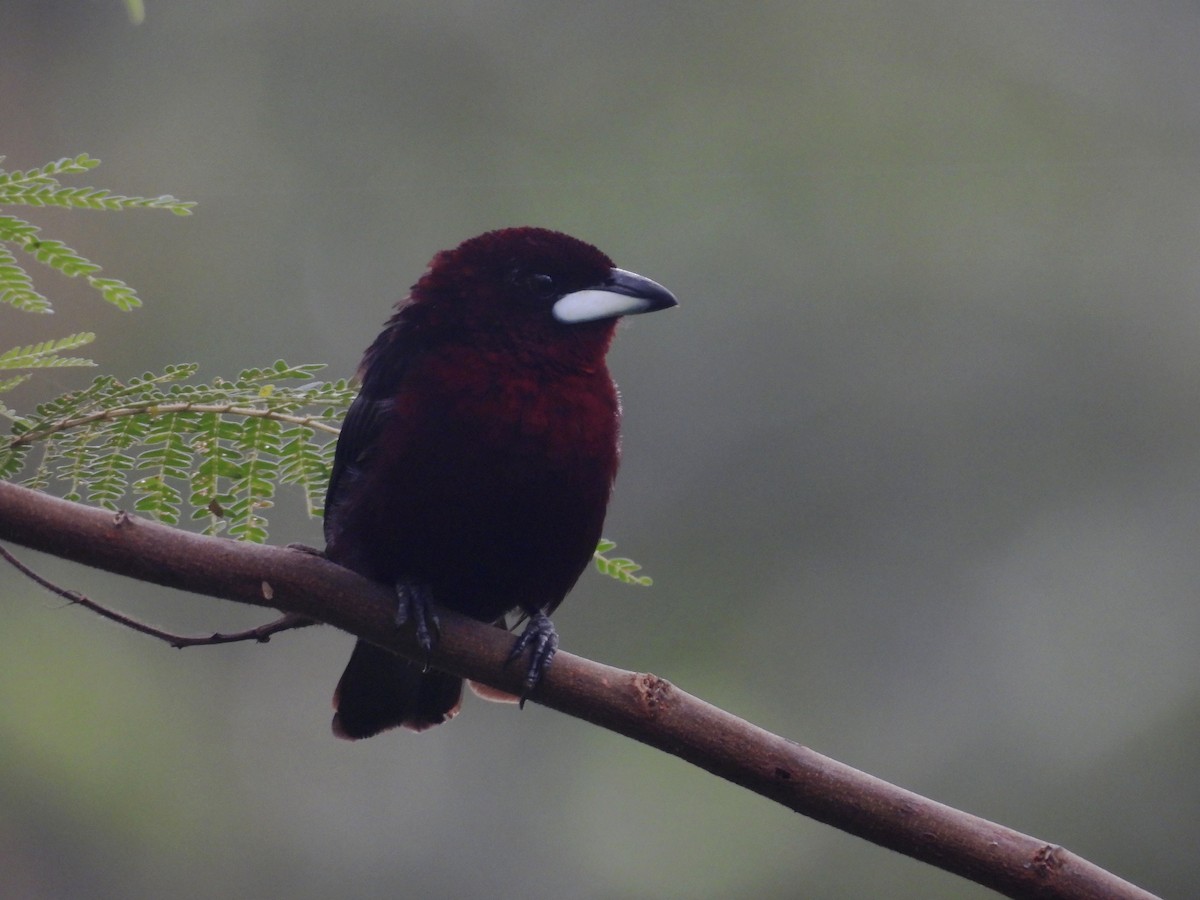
x=916, y=465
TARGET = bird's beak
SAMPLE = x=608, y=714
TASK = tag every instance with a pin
x=620, y=294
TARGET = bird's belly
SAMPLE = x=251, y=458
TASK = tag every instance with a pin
x=493, y=512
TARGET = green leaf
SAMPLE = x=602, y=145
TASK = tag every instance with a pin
x=215, y=453
x=16, y=287
x=118, y=293
x=40, y=188
x=620, y=568
x=50, y=193
x=45, y=355
x=8, y=384
x=46, y=174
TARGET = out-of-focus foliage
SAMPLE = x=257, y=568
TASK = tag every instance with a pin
x=137, y=11
x=41, y=187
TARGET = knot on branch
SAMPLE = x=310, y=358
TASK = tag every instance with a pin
x=1048, y=861
x=653, y=693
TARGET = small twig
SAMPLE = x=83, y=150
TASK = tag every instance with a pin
x=159, y=408
x=261, y=633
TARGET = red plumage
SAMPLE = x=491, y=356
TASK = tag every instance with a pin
x=474, y=468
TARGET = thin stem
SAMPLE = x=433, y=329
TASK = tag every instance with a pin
x=260, y=634
x=313, y=422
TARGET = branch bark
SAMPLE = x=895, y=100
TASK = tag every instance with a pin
x=638, y=705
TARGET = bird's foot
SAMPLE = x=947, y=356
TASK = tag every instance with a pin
x=416, y=605
x=539, y=635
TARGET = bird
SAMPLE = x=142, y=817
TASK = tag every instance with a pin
x=474, y=467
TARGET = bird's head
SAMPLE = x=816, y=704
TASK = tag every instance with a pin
x=532, y=288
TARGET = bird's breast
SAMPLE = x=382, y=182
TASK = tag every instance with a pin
x=538, y=412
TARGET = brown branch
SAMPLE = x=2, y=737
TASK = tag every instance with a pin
x=641, y=706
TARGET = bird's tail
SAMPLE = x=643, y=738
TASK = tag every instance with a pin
x=380, y=690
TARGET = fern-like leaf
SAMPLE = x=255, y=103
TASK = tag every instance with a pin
x=307, y=464
x=7, y=384
x=46, y=354
x=16, y=287
x=39, y=188
x=89, y=198
x=213, y=452
x=620, y=568
x=48, y=173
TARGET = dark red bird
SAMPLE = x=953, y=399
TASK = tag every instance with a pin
x=475, y=465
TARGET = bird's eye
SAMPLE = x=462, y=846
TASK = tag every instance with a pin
x=532, y=285
x=539, y=285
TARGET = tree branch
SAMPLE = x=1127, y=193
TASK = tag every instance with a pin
x=638, y=705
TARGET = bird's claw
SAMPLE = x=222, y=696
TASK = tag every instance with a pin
x=416, y=605
x=541, y=636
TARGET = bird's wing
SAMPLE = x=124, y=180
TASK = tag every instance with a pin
x=382, y=373
x=362, y=424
